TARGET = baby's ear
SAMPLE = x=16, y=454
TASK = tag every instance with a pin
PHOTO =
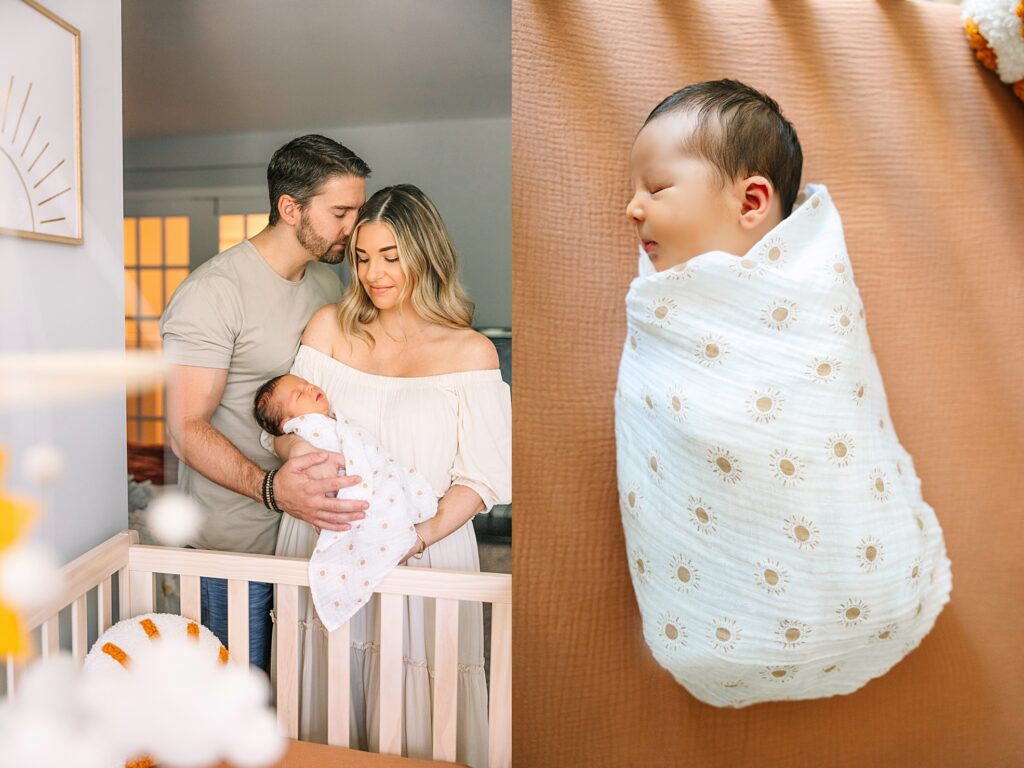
x=756, y=195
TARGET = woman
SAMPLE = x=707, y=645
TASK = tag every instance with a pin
x=398, y=355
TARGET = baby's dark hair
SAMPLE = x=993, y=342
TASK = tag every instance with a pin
x=267, y=416
x=740, y=131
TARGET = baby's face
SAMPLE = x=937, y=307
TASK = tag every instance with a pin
x=295, y=396
x=679, y=208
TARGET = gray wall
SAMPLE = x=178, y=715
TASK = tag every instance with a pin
x=65, y=297
x=465, y=166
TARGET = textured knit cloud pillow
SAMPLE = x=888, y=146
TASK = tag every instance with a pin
x=115, y=647
x=995, y=31
x=777, y=539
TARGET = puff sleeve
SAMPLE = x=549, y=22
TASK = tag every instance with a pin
x=483, y=460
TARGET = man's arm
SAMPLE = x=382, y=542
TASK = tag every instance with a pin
x=193, y=394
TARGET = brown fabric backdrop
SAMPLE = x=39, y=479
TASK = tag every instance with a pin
x=923, y=152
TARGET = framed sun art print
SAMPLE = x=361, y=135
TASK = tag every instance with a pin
x=40, y=125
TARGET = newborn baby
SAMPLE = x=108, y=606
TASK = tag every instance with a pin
x=347, y=565
x=778, y=543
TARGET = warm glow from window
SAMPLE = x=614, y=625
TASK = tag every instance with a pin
x=155, y=263
x=234, y=228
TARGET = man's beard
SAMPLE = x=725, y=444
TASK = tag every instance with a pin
x=320, y=247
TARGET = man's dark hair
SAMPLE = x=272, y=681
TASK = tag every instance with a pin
x=740, y=131
x=267, y=416
x=301, y=166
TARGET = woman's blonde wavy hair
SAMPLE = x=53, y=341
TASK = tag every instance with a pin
x=425, y=254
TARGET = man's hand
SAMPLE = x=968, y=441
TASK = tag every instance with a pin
x=306, y=497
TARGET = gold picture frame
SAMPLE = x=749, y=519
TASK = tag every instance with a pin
x=41, y=196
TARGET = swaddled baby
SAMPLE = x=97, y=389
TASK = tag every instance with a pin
x=346, y=566
x=778, y=543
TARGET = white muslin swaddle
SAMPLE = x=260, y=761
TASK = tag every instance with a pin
x=346, y=566
x=778, y=542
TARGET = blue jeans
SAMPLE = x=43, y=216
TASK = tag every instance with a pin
x=213, y=602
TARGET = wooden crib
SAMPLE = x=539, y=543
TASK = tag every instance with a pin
x=135, y=567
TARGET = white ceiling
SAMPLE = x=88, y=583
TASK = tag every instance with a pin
x=231, y=66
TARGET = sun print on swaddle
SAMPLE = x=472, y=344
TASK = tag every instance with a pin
x=632, y=500
x=853, y=612
x=870, y=554
x=780, y=314
x=792, y=633
x=773, y=251
x=683, y=574
x=701, y=515
x=823, y=369
x=880, y=485
x=746, y=268
x=772, y=577
x=678, y=404
x=839, y=449
x=841, y=321
x=671, y=631
x=724, y=634
x=802, y=532
x=661, y=311
x=711, y=350
x=786, y=467
x=765, y=404
x=724, y=464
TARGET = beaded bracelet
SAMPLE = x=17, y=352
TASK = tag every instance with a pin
x=268, y=492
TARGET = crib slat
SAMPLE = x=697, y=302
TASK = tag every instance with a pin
x=238, y=620
x=446, y=670
x=499, y=739
x=338, y=681
x=49, y=636
x=140, y=590
x=190, y=602
x=79, y=629
x=287, y=659
x=104, y=610
x=391, y=694
x=123, y=595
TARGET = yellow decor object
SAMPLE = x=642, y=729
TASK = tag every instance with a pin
x=995, y=32
x=16, y=517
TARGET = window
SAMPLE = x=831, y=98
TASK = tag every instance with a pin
x=156, y=261
x=235, y=228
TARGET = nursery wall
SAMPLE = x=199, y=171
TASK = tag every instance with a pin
x=56, y=297
x=923, y=152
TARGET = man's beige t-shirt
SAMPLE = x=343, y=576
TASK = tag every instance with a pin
x=236, y=312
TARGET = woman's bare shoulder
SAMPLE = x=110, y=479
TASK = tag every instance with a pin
x=469, y=350
x=322, y=331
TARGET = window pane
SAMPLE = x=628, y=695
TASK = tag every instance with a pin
x=254, y=223
x=132, y=409
x=153, y=402
x=131, y=230
x=131, y=293
x=152, y=292
x=176, y=239
x=150, y=334
x=131, y=334
x=174, y=278
x=150, y=242
x=232, y=231
x=133, y=430
x=152, y=432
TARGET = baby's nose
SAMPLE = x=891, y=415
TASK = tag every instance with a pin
x=634, y=212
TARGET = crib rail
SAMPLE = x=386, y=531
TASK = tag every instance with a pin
x=137, y=565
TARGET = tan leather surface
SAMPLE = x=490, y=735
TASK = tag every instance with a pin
x=923, y=152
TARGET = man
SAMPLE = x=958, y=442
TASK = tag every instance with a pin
x=234, y=323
